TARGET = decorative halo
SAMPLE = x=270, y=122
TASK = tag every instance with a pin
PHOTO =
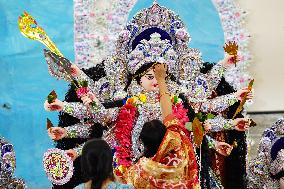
x=58, y=166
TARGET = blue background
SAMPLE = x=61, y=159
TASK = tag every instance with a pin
x=25, y=81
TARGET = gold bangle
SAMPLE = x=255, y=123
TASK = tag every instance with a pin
x=164, y=94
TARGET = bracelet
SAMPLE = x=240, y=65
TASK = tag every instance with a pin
x=164, y=93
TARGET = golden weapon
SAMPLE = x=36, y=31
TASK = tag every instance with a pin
x=59, y=67
x=239, y=109
x=30, y=29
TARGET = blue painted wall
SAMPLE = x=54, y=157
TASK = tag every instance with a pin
x=25, y=81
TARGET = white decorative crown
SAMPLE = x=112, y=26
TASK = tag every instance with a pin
x=154, y=50
x=155, y=34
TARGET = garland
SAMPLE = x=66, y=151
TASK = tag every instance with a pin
x=126, y=119
x=180, y=113
x=124, y=125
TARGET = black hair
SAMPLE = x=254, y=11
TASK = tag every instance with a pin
x=152, y=135
x=97, y=162
x=138, y=74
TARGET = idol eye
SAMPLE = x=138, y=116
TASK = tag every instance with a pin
x=150, y=77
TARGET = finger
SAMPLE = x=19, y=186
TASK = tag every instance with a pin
x=84, y=97
x=47, y=108
x=225, y=145
x=56, y=138
x=57, y=131
x=70, y=154
x=49, y=130
x=223, y=153
x=46, y=103
x=245, y=89
x=228, y=151
x=91, y=95
x=54, y=107
x=250, y=96
x=87, y=102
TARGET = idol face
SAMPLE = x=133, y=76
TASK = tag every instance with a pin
x=149, y=82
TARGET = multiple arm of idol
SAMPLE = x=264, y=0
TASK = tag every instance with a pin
x=81, y=121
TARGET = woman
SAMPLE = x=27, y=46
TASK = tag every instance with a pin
x=97, y=165
x=173, y=165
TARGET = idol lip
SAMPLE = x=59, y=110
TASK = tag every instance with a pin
x=155, y=85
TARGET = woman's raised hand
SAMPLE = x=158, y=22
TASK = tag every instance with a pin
x=160, y=71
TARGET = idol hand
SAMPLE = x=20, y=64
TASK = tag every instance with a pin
x=242, y=92
x=241, y=124
x=223, y=148
x=57, y=105
x=89, y=98
x=228, y=61
x=75, y=71
x=72, y=153
x=57, y=133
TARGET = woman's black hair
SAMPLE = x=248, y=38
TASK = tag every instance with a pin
x=151, y=136
x=97, y=162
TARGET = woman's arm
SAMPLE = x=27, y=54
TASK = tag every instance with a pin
x=165, y=100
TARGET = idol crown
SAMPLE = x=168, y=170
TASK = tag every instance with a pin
x=152, y=51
